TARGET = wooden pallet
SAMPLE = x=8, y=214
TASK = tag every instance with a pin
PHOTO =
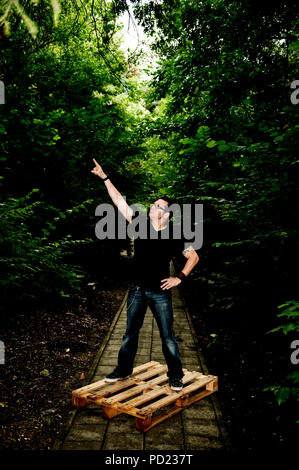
x=147, y=387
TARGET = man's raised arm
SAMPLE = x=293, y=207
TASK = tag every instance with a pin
x=115, y=195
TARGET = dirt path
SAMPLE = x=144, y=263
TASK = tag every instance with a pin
x=47, y=355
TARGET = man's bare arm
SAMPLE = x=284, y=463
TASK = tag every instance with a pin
x=115, y=195
x=192, y=260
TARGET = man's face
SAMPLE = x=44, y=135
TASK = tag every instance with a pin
x=159, y=210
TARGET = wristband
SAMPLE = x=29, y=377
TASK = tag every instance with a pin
x=107, y=178
x=181, y=276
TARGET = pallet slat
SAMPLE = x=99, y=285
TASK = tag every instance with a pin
x=101, y=383
x=170, y=399
x=134, y=390
x=118, y=386
x=154, y=393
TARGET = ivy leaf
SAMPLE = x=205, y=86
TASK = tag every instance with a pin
x=282, y=395
x=211, y=144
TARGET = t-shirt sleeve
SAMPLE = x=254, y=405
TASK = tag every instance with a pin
x=180, y=247
x=177, y=247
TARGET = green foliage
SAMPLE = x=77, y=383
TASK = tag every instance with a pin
x=7, y=9
x=67, y=101
x=228, y=137
x=291, y=312
x=289, y=388
x=33, y=262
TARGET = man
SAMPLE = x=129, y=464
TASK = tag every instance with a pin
x=150, y=284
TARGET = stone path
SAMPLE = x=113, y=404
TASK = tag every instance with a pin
x=199, y=427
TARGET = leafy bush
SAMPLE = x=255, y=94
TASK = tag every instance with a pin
x=33, y=262
x=289, y=388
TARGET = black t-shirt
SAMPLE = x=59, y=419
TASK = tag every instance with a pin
x=152, y=256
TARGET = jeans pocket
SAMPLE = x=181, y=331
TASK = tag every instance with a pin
x=133, y=287
x=132, y=295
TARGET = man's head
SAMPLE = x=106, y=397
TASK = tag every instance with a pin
x=159, y=210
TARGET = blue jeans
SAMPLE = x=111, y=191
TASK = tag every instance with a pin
x=161, y=306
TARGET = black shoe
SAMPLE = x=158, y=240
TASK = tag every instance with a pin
x=176, y=384
x=114, y=377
